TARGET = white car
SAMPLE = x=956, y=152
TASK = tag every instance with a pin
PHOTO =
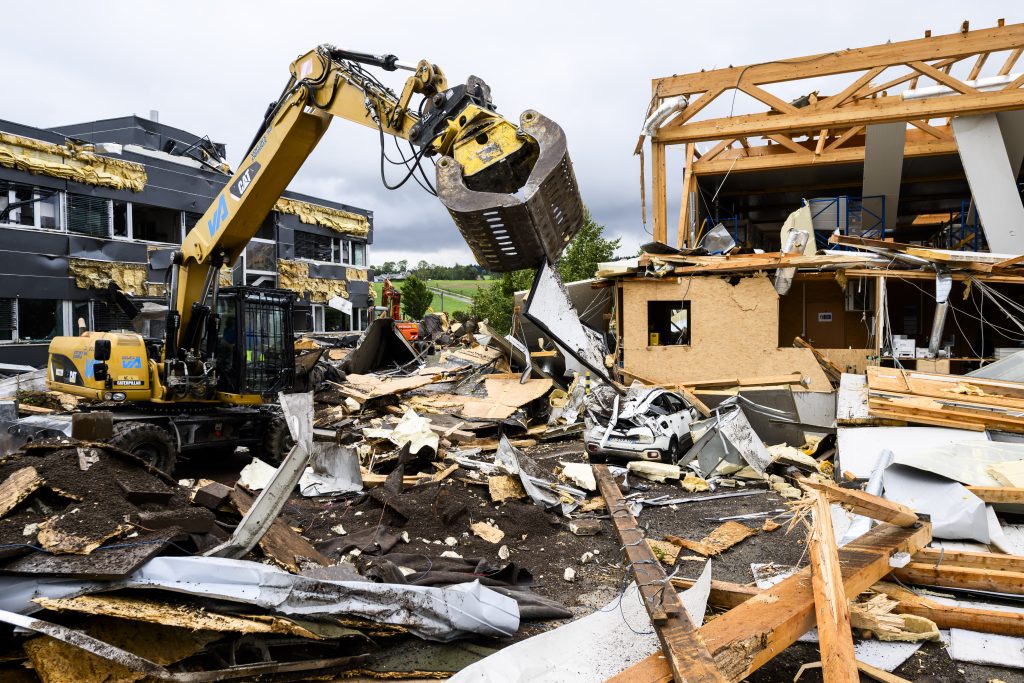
x=651, y=425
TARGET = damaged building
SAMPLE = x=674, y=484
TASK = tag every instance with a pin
x=88, y=204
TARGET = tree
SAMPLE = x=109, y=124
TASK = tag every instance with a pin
x=416, y=298
x=496, y=301
x=588, y=248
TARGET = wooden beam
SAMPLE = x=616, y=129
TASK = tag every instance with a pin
x=942, y=77
x=717, y=149
x=846, y=61
x=946, y=616
x=766, y=97
x=850, y=132
x=864, y=503
x=835, y=156
x=682, y=645
x=979, y=63
x=864, y=112
x=911, y=76
x=831, y=606
x=822, y=139
x=658, y=205
x=995, y=495
x=975, y=578
x=749, y=635
x=687, y=200
x=729, y=595
x=851, y=90
x=694, y=108
x=966, y=558
x=790, y=144
x=930, y=129
x=1011, y=61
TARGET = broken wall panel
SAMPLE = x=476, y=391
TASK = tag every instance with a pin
x=295, y=275
x=730, y=326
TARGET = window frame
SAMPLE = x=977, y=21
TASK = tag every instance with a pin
x=684, y=304
x=36, y=214
x=65, y=314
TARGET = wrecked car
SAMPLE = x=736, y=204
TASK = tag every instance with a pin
x=651, y=424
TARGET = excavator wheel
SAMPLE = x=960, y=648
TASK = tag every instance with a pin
x=147, y=441
x=277, y=441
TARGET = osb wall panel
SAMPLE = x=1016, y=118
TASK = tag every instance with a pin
x=734, y=333
x=854, y=361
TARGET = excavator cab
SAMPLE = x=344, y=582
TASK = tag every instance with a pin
x=256, y=349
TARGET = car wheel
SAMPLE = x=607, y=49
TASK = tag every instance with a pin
x=672, y=454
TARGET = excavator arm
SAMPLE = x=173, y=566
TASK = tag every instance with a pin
x=509, y=187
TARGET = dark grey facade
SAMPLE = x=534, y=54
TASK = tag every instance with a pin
x=47, y=222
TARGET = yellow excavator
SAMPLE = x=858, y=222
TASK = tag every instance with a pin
x=210, y=383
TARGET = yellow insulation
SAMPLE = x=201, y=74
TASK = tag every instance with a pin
x=294, y=275
x=70, y=162
x=352, y=274
x=90, y=274
x=335, y=219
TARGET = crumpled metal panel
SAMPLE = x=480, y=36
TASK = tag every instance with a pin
x=509, y=232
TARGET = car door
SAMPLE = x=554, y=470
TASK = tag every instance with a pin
x=677, y=413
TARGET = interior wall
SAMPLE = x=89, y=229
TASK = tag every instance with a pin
x=734, y=332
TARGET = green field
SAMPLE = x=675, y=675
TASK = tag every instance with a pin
x=464, y=288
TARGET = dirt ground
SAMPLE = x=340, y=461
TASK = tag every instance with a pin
x=540, y=542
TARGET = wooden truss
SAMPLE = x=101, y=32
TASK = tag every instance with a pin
x=831, y=129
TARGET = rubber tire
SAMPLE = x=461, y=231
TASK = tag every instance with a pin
x=147, y=441
x=672, y=454
x=277, y=441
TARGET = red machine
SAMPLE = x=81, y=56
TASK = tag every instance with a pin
x=391, y=307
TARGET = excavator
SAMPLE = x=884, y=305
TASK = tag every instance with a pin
x=391, y=307
x=210, y=382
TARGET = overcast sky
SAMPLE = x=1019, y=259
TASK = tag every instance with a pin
x=212, y=67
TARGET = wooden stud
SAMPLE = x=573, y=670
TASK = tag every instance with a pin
x=966, y=558
x=942, y=77
x=946, y=616
x=864, y=503
x=978, y=65
x=822, y=139
x=658, y=172
x=844, y=137
x=852, y=89
x=927, y=574
x=767, y=98
x=831, y=606
x=687, y=200
x=681, y=643
x=1011, y=61
x=746, y=637
x=790, y=144
x=996, y=495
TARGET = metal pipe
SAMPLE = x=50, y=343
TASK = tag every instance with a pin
x=984, y=84
x=659, y=115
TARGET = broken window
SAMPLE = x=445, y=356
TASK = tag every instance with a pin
x=81, y=317
x=89, y=215
x=309, y=245
x=336, y=321
x=668, y=323
x=121, y=219
x=29, y=206
x=40, y=319
x=261, y=256
x=155, y=224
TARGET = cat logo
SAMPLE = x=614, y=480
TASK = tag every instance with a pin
x=239, y=187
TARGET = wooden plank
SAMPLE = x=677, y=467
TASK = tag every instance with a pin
x=687, y=195
x=941, y=47
x=280, y=543
x=831, y=606
x=684, y=651
x=833, y=371
x=965, y=558
x=861, y=113
x=1011, y=60
x=975, y=578
x=17, y=487
x=728, y=595
x=749, y=635
x=995, y=495
x=864, y=503
x=792, y=378
x=947, y=616
x=658, y=206
x=942, y=77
